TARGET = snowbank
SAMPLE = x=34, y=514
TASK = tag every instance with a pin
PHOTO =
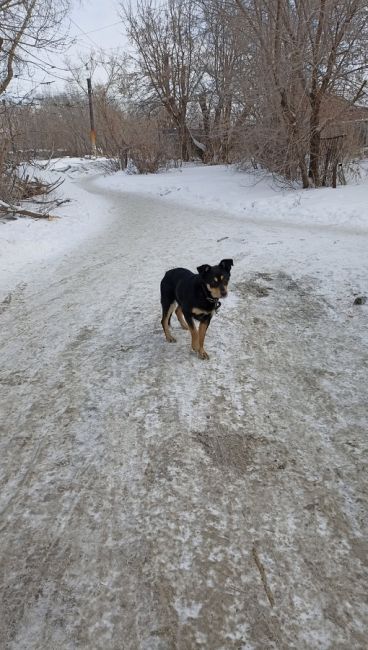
x=25, y=242
x=255, y=197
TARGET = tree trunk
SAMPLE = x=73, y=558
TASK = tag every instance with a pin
x=208, y=157
x=315, y=142
x=304, y=174
x=184, y=144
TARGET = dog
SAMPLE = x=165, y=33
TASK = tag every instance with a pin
x=194, y=297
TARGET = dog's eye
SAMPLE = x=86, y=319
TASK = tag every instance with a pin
x=215, y=279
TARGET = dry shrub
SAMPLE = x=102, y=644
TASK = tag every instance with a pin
x=3, y=180
x=269, y=145
x=9, y=187
x=149, y=146
x=15, y=183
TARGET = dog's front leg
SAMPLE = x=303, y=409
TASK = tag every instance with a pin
x=203, y=327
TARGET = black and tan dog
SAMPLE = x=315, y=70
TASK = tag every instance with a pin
x=194, y=296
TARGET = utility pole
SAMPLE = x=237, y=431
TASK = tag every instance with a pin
x=91, y=118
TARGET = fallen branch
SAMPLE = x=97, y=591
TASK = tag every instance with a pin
x=27, y=188
x=262, y=573
x=6, y=208
x=50, y=187
x=54, y=202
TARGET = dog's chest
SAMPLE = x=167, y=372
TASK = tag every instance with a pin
x=201, y=314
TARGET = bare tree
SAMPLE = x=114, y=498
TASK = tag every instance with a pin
x=169, y=59
x=28, y=27
x=222, y=105
x=306, y=51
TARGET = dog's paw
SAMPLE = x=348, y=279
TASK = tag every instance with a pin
x=170, y=338
x=203, y=354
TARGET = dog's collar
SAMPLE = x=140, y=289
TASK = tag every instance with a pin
x=208, y=296
x=216, y=302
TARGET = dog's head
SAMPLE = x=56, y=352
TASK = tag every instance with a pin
x=216, y=277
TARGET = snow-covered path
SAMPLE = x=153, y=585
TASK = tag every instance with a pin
x=150, y=500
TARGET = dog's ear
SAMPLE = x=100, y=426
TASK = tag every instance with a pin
x=226, y=264
x=202, y=270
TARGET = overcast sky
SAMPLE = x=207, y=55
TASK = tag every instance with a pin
x=94, y=24
x=91, y=15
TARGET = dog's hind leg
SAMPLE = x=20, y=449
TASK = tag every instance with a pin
x=180, y=317
x=167, y=310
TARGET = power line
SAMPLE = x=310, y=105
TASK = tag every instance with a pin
x=49, y=68
x=100, y=29
x=84, y=33
x=51, y=65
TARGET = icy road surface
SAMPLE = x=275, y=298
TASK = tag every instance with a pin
x=153, y=501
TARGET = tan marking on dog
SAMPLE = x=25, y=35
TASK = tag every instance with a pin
x=200, y=312
x=214, y=291
x=201, y=336
x=180, y=317
x=165, y=324
x=194, y=334
x=203, y=354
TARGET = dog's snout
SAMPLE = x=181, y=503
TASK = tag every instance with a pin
x=223, y=292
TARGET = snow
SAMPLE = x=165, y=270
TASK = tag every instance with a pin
x=26, y=242
x=137, y=479
x=255, y=198
x=198, y=144
x=187, y=611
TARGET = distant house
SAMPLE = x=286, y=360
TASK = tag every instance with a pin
x=340, y=118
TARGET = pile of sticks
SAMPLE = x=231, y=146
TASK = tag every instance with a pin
x=27, y=190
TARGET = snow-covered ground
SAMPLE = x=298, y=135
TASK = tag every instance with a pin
x=152, y=500
x=26, y=242
x=255, y=199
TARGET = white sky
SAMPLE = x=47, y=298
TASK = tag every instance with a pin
x=94, y=24
x=91, y=15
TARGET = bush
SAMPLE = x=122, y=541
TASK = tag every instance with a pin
x=149, y=146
